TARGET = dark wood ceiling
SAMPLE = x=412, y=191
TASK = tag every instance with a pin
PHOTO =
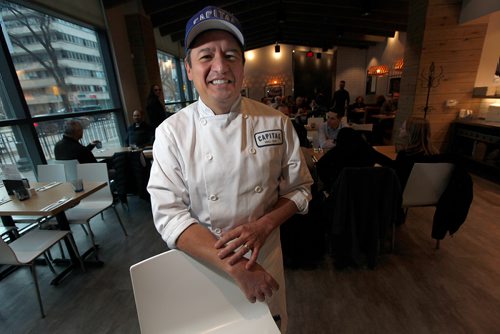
x=321, y=23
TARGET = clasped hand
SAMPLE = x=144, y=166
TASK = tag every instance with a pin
x=238, y=241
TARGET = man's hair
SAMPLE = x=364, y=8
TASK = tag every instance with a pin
x=342, y=81
x=71, y=126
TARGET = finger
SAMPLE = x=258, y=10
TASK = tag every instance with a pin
x=226, y=237
x=237, y=255
x=261, y=296
x=228, y=250
x=253, y=259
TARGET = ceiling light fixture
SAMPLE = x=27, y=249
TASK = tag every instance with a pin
x=277, y=48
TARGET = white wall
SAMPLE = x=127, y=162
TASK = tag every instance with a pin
x=474, y=9
x=266, y=67
x=351, y=67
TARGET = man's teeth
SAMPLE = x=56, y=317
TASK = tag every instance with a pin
x=220, y=82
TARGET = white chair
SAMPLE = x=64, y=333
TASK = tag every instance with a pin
x=426, y=184
x=24, y=250
x=70, y=169
x=51, y=173
x=176, y=294
x=94, y=204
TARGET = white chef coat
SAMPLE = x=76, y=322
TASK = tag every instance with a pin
x=222, y=171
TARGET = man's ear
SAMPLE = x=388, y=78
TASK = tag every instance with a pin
x=188, y=70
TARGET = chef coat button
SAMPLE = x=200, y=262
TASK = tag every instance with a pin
x=203, y=122
x=252, y=150
x=218, y=231
x=209, y=156
x=213, y=197
x=245, y=116
x=258, y=189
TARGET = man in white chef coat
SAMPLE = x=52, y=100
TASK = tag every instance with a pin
x=228, y=170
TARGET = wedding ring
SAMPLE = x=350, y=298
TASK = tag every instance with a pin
x=246, y=246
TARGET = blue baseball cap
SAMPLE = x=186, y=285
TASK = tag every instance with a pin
x=210, y=18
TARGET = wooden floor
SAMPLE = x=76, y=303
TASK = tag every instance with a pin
x=416, y=289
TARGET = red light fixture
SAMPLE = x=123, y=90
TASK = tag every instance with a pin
x=310, y=54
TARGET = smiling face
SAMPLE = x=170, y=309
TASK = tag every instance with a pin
x=216, y=69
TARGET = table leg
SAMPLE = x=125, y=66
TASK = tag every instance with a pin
x=63, y=224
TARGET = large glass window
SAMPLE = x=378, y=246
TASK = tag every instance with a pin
x=64, y=71
x=58, y=63
x=177, y=89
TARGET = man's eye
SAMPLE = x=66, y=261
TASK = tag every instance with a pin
x=205, y=57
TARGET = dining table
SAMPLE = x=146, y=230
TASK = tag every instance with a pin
x=50, y=199
x=107, y=153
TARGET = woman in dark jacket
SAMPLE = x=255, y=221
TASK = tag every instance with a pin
x=155, y=107
x=351, y=150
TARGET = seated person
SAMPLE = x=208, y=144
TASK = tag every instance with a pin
x=353, y=111
x=140, y=133
x=299, y=127
x=390, y=105
x=351, y=151
x=69, y=147
x=329, y=130
x=416, y=147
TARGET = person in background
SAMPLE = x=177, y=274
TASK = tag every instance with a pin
x=249, y=176
x=69, y=147
x=329, y=130
x=390, y=105
x=351, y=150
x=341, y=99
x=139, y=133
x=155, y=106
x=416, y=147
x=354, y=115
x=300, y=129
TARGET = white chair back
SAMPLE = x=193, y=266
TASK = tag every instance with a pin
x=95, y=172
x=426, y=183
x=69, y=168
x=7, y=255
x=51, y=173
x=176, y=294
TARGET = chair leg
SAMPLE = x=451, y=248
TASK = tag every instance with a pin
x=92, y=236
x=84, y=230
x=120, y=221
x=35, y=279
x=49, y=263
x=61, y=249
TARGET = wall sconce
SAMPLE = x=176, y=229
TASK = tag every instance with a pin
x=379, y=70
x=398, y=64
x=277, y=48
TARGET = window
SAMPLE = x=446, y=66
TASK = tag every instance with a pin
x=64, y=71
x=53, y=55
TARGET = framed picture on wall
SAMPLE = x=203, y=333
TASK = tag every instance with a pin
x=274, y=90
x=244, y=91
x=371, y=85
x=394, y=85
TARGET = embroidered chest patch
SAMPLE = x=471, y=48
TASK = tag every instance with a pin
x=269, y=138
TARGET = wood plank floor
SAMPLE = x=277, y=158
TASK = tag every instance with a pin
x=416, y=289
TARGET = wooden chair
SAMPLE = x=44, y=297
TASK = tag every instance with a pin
x=176, y=294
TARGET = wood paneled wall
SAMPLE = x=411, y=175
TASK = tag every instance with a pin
x=453, y=48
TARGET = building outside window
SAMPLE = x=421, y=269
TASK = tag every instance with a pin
x=177, y=89
x=62, y=73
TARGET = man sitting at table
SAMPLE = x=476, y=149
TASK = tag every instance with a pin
x=140, y=133
x=329, y=130
x=69, y=147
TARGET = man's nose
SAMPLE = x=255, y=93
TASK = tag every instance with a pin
x=220, y=64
